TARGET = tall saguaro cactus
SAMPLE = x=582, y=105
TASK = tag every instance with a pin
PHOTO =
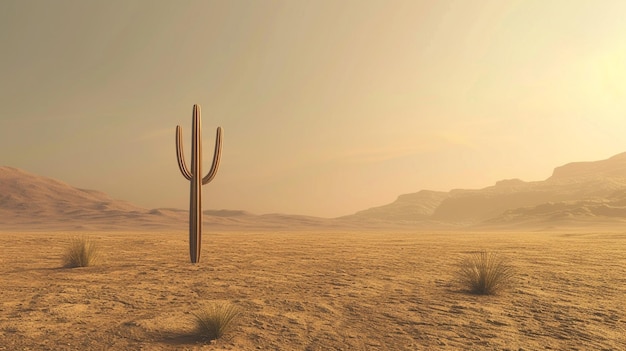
x=195, y=178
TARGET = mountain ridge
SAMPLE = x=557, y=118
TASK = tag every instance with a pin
x=513, y=202
x=577, y=193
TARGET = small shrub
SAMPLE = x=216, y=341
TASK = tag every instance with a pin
x=216, y=319
x=485, y=273
x=81, y=252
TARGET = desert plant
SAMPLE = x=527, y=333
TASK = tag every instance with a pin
x=485, y=273
x=81, y=252
x=195, y=178
x=214, y=320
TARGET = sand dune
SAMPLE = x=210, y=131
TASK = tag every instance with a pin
x=26, y=192
x=314, y=291
x=32, y=202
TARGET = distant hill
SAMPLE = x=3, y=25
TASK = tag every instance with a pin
x=579, y=193
x=408, y=207
x=614, y=167
x=33, y=202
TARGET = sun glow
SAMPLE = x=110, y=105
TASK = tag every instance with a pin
x=613, y=68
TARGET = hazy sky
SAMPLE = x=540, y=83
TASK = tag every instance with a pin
x=328, y=107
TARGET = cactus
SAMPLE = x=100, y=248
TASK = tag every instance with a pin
x=195, y=177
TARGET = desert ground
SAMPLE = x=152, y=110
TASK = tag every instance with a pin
x=313, y=291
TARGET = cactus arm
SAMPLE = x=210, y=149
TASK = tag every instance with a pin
x=180, y=155
x=216, y=157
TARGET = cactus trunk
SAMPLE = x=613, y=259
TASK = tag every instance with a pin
x=195, y=178
x=195, y=196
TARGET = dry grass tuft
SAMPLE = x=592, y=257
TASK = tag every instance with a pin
x=215, y=319
x=81, y=252
x=485, y=273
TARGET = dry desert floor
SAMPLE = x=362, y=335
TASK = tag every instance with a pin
x=313, y=291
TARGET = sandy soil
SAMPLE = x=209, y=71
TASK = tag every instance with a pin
x=314, y=291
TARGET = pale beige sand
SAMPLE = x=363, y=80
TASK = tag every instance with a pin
x=314, y=291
